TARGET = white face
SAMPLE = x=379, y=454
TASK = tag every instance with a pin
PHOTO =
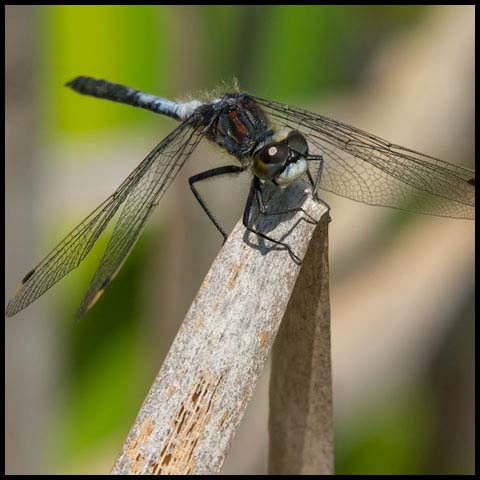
x=292, y=172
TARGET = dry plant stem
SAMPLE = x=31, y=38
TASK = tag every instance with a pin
x=301, y=414
x=193, y=409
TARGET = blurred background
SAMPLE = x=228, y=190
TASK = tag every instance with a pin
x=402, y=286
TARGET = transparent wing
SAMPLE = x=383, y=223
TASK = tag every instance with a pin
x=141, y=200
x=140, y=191
x=368, y=169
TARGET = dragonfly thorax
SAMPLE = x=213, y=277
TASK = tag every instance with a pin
x=238, y=124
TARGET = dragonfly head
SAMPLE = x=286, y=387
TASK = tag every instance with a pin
x=282, y=160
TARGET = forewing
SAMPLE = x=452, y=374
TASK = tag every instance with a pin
x=141, y=200
x=69, y=253
x=368, y=169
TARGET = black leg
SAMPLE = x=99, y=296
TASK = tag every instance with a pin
x=214, y=172
x=254, y=188
x=315, y=183
x=317, y=179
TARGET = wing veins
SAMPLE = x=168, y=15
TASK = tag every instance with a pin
x=424, y=175
x=141, y=201
x=75, y=246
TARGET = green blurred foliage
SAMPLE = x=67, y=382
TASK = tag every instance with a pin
x=392, y=438
x=106, y=371
x=295, y=52
x=124, y=43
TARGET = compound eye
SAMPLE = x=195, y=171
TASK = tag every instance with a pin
x=270, y=160
x=296, y=142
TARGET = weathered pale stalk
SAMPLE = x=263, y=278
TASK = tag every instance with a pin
x=194, y=407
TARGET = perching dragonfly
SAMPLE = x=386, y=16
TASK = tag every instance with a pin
x=272, y=140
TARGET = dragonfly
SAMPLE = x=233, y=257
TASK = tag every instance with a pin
x=279, y=144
